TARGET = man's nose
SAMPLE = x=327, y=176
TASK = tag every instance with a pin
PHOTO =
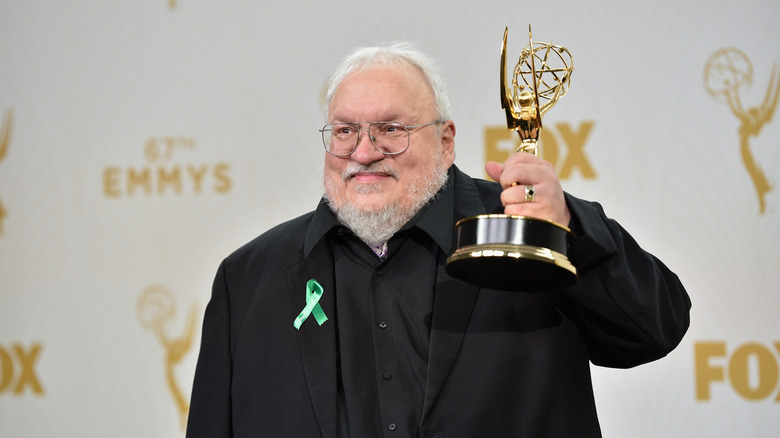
x=366, y=152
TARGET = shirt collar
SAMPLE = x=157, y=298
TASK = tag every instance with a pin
x=323, y=221
x=436, y=218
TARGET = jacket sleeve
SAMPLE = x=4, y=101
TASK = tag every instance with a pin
x=210, y=406
x=631, y=308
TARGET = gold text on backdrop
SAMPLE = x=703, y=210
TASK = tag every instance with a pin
x=164, y=172
x=563, y=146
x=156, y=307
x=752, y=369
x=17, y=369
x=727, y=72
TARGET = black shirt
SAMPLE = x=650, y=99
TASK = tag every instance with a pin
x=383, y=320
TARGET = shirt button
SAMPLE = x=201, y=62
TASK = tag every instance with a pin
x=380, y=272
x=391, y=426
x=382, y=325
x=387, y=376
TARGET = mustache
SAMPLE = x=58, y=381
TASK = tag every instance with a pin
x=375, y=167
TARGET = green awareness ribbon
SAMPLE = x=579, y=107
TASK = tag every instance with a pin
x=313, y=294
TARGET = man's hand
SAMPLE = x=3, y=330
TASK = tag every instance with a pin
x=526, y=177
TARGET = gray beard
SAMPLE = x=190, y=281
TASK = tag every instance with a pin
x=377, y=226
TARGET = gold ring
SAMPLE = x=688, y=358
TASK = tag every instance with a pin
x=530, y=192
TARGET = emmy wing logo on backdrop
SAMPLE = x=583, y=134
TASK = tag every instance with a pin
x=155, y=309
x=726, y=74
x=5, y=140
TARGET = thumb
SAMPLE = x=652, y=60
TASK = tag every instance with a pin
x=494, y=170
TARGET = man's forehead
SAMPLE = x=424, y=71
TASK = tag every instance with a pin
x=399, y=80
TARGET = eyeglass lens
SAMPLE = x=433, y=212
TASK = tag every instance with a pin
x=388, y=137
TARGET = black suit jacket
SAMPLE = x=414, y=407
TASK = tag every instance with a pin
x=500, y=363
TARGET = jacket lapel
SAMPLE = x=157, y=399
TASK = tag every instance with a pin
x=453, y=300
x=453, y=303
x=318, y=343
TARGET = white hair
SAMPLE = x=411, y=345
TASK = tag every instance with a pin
x=395, y=53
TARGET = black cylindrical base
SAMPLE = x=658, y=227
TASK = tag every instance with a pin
x=512, y=253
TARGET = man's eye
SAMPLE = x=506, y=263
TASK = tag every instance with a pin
x=343, y=130
x=389, y=128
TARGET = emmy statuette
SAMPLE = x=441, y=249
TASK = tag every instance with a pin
x=519, y=253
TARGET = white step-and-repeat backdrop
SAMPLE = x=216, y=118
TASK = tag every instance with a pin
x=142, y=141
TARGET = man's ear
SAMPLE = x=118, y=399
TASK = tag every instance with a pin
x=448, y=141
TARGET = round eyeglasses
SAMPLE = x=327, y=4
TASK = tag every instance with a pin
x=389, y=138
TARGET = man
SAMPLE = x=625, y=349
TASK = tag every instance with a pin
x=394, y=346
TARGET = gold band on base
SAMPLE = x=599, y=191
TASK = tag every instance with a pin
x=514, y=251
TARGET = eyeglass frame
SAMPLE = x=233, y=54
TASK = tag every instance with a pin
x=357, y=141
